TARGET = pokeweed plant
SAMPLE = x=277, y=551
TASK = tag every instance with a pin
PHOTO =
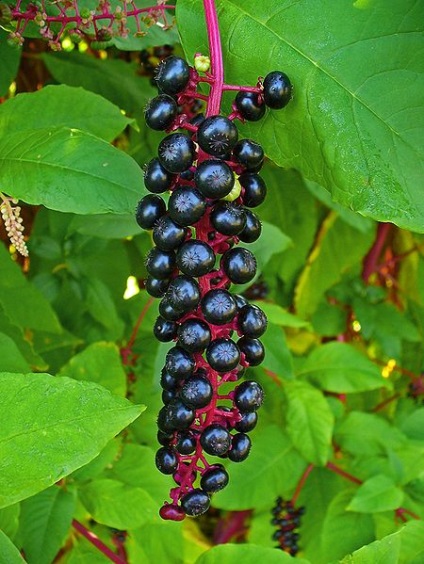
x=334, y=472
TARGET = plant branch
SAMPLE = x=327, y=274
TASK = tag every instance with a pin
x=301, y=483
x=95, y=541
x=340, y=472
x=215, y=50
x=370, y=263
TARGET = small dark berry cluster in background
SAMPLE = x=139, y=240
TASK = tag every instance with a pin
x=287, y=522
x=213, y=181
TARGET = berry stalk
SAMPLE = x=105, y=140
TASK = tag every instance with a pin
x=217, y=66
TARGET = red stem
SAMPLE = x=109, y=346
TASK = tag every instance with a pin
x=342, y=473
x=139, y=322
x=95, y=541
x=370, y=261
x=301, y=483
x=215, y=50
x=230, y=527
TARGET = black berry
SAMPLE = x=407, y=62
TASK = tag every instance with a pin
x=172, y=75
x=253, y=350
x=179, y=363
x=252, y=321
x=186, y=205
x=166, y=460
x=217, y=135
x=250, y=106
x=252, y=229
x=218, y=306
x=156, y=178
x=196, y=392
x=176, y=152
x=214, y=479
x=239, y=265
x=160, y=264
x=277, y=90
x=194, y=335
x=254, y=189
x=160, y=112
x=228, y=218
x=195, y=503
x=164, y=330
x=223, y=354
x=167, y=235
x=215, y=440
x=249, y=154
x=214, y=179
x=149, y=210
x=248, y=396
x=195, y=258
x=240, y=447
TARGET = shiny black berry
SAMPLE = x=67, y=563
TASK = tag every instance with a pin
x=172, y=75
x=160, y=264
x=277, y=90
x=239, y=265
x=196, y=392
x=164, y=438
x=179, y=363
x=166, y=460
x=156, y=287
x=214, y=179
x=228, y=219
x=160, y=112
x=250, y=106
x=249, y=154
x=149, y=210
x=168, y=235
x=252, y=229
x=218, y=306
x=195, y=258
x=240, y=447
x=176, y=152
x=178, y=416
x=156, y=178
x=217, y=135
x=194, y=335
x=214, y=479
x=195, y=503
x=248, y=396
x=215, y=440
x=186, y=442
x=168, y=395
x=223, y=355
x=164, y=330
x=167, y=381
x=254, y=189
x=247, y=422
x=253, y=350
x=168, y=311
x=252, y=321
x=186, y=205
x=183, y=293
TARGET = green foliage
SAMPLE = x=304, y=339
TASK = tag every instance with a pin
x=341, y=431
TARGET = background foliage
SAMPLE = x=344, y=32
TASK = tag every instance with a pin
x=344, y=294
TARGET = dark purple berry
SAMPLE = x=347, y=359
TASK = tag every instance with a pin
x=195, y=258
x=178, y=416
x=217, y=135
x=239, y=265
x=277, y=90
x=166, y=460
x=156, y=178
x=149, y=210
x=195, y=503
x=194, y=335
x=254, y=189
x=214, y=479
x=164, y=330
x=253, y=350
x=160, y=264
x=196, y=392
x=214, y=179
x=240, y=447
x=215, y=440
x=249, y=154
x=248, y=396
x=228, y=218
x=183, y=293
x=167, y=381
x=252, y=229
x=186, y=443
x=249, y=106
x=176, y=152
x=218, y=306
x=179, y=363
x=223, y=355
x=186, y=205
x=156, y=287
x=252, y=321
x=168, y=310
x=160, y=112
x=247, y=422
x=172, y=75
x=167, y=235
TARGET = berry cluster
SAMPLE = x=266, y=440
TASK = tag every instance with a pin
x=287, y=520
x=213, y=181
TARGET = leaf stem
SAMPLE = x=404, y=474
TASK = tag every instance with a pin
x=95, y=541
x=370, y=261
x=301, y=483
x=342, y=473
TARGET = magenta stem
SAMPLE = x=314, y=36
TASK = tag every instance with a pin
x=370, y=261
x=215, y=50
x=254, y=89
x=95, y=541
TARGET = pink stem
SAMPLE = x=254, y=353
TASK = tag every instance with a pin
x=95, y=541
x=215, y=50
x=301, y=483
x=370, y=261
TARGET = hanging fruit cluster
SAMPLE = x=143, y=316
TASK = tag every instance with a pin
x=213, y=181
x=287, y=520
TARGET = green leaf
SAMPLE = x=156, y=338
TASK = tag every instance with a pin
x=68, y=170
x=62, y=106
x=51, y=426
x=339, y=249
x=113, y=79
x=246, y=553
x=355, y=130
x=11, y=359
x=158, y=542
x=376, y=494
x=309, y=421
x=413, y=425
x=107, y=225
x=272, y=469
x=100, y=363
x=10, y=57
x=45, y=522
x=278, y=358
x=9, y=519
x=8, y=551
x=340, y=368
x=101, y=305
x=344, y=531
x=280, y=316
x=405, y=546
x=118, y=505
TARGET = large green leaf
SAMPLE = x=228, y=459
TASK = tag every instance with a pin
x=11, y=359
x=9, y=62
x=45, y=521
x=68, y=170
x=248, y=554
x=355, y=129
x=50, y=427
x=340, y=368
x=376, y=494
x=9, y=554
x=62, y=106
x=309, y=421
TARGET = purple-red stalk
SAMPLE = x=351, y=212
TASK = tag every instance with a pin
x=95, y=541
x=301, y=483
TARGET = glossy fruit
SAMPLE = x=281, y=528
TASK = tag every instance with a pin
x=167, y=381
x=176, y=152
x=168, y=235
x=186, y=442
x=149, y=210
x=250, y=106
x=252, y=229
x=194, y=335
x=215, y=440
x=249, y=154
x=217, y=135
x=195, y=258
x=178, y=416
x=195, y=503
x=183, y=293
x=254, y=189
x=239, y=265
x=164, y=330
x=252, y=321
x=214, y=179
x=248, y=396
x=196, y=392
x=214, y=479
x=228, y=218
x=160, y=264
x=277, y=90
x=186, y=205
x=223, y=354
x=171, y=512
x=252, y=349
x=156, y=178
x=160, y=112
x=156, y=287
x=179, y=363
x=218, y=306
x=172, y=75
x=247, y=422
x=240, y=447
x=168, y=311
x=166, y=460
